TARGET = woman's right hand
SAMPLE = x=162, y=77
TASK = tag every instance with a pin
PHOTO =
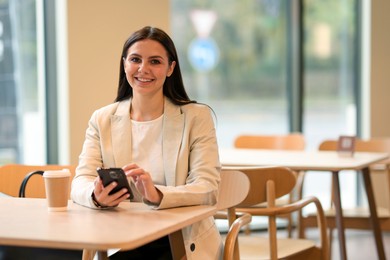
x=102, y=197
x=143, y=182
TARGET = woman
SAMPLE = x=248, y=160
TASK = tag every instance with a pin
x=165, y=143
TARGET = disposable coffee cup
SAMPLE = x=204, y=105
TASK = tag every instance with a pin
x=57, y=189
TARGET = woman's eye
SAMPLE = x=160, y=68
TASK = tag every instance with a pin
x=155, y=62
x=135, y=59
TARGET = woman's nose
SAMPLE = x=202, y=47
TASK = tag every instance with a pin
x=143, y=67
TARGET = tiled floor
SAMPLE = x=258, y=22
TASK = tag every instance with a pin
x=360, y=244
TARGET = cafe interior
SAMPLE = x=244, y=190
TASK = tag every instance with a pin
x=298, y=88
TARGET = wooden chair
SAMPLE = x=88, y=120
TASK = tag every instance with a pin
x=292, y=141
x=358, y=217
x=266, y=185
x=233, y=189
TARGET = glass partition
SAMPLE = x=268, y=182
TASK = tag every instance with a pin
x=233, y=57
x=330, y=84
x=22, y=120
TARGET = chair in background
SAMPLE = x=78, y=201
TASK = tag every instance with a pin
x=18, y=180
x=266, y=185
x=358, y=217
x=292, y=141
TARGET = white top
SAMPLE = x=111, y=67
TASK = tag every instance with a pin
x=147, y=147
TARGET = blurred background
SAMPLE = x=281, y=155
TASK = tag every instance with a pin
x=264, y=66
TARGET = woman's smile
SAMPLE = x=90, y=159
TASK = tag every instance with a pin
x=143, y=79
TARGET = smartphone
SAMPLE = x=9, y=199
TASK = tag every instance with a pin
x=109, y=175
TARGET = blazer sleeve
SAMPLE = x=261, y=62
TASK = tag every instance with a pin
x=89, y=161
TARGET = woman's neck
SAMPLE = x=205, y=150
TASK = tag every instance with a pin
x=146, y=109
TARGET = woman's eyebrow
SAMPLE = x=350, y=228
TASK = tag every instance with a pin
x=134, y=54
x=151, y=57
x=156, y=57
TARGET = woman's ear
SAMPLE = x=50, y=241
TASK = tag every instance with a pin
x=171, y=68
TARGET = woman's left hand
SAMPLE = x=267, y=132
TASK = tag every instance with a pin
x=144, y=183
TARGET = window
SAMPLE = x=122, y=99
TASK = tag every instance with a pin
x=235, y=57
x=22, y=120
x=240, y=63
x=330, y=84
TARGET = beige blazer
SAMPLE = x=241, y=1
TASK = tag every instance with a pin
x=190, y=157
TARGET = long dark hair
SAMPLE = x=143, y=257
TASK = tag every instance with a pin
x=173, y=86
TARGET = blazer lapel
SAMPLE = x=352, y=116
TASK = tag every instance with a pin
x=172, y=136
x=121, y=134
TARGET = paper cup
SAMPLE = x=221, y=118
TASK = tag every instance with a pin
x=57, y=189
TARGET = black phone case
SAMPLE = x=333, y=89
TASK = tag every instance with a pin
x=109, y=175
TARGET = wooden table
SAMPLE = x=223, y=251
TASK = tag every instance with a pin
x=27, y=222
x=318, y=161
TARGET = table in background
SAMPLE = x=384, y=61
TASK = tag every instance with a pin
x=27, y=222
x=318, y=161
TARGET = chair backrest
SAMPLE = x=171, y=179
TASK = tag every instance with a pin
x=283, y=178
x=12, y=175
x=233, y=189
x=381, y=183
x=293, y=141
x=267, y=184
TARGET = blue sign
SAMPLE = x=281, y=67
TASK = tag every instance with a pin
x=203, y=54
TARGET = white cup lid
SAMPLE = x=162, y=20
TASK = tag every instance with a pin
x=56, y=173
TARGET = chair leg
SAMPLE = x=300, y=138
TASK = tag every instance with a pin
x=88, y=254
x=289, y=225
x=301, y=226
x=247, y=230
x=330, y=241
x=299, y=195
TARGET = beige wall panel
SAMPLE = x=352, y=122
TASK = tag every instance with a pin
x=380, y=69
x=381, y=183
x=380, y=88
x=97, y=30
